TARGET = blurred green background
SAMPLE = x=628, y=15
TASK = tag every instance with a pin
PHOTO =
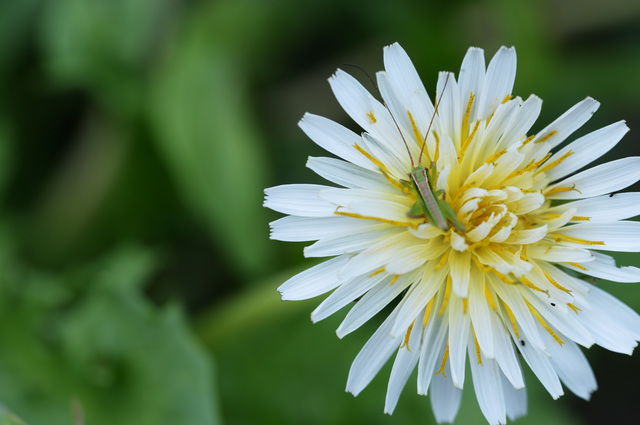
x=136, y=138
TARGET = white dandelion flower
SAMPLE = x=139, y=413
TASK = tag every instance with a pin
x=485, y=255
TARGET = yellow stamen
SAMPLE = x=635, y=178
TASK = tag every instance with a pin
x=506, y=99
x=465, y=119
x=555, y=163
x=579, y=266
x=512, y=319
x=377, y=272
x=416, y=132
x=372, y=117
x=574, y=308
x=475, y=340
x=543, y=323
x=498, y=249
x=572, y=239
x=503, y=278
x=465, y=305
x=485, y=269
x=436, y=155
x=493, y=158
x=444, y=361
x=556, y=284
x=527, y=141
x=382, y=220
x=443, y=260
x=385, y=172
x=467, y=141
x=561, y=189
x=529, y=167
x=547, y=136
x=447, y=293
x=490, y=300
x=530, y=284
x=371, y=158
x=580, y=218
x=407, y=336
x=394, y=279
x=427, y=314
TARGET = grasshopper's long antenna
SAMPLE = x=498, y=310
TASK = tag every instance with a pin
x=387, y=108
x=435, y=112
x=373, y=83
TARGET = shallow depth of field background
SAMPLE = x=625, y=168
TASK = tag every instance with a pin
x=137, y=279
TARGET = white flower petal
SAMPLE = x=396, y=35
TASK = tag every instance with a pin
x=586, y=149
x=618, y=206
x=298, y=199
x=300, y=229
x=347, y=174
x=346, y=293
x=604, y=178
x=334, y=138
x=459, y=325
x=565, y=321
x=377, y=254
x=402, y=73
x=504, y=353
x=371, y=303
x=347, y=243
x=353, y=97
x=450, y=108
x=480, y=313
x=556, y=132
x=417, y=298
x=445, y=398
x=527, y=326
x=471, y=78
x=604, y=267
x=487, y=384
x=372, y=357
x=314, y=281
x=627, y=319
x=557, y=254
x=498, y=82
x=621, y=236
x=572, y=367
x=432, y=350
x=403, y=366
x=515, y=400
x=521, y=123
x=541, y=366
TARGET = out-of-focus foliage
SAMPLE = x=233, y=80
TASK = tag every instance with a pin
x=90, y=335
x=136, y=138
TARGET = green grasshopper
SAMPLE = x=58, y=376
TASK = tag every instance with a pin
x=431, y=203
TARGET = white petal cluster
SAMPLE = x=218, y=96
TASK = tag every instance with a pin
x=509, y=286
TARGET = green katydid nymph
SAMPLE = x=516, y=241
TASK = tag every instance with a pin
x=430, y=202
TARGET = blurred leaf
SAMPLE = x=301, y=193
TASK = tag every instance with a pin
x=6, y=152
x=203, y=121
x=16, y=21
x=8, y=418
x=103, y=45
x=124, y=360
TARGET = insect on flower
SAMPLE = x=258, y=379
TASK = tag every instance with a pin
x=485, y=254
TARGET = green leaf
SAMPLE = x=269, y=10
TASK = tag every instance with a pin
x=103, y=45
x=8, y=418
x=124, y=360
x=203, y=122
